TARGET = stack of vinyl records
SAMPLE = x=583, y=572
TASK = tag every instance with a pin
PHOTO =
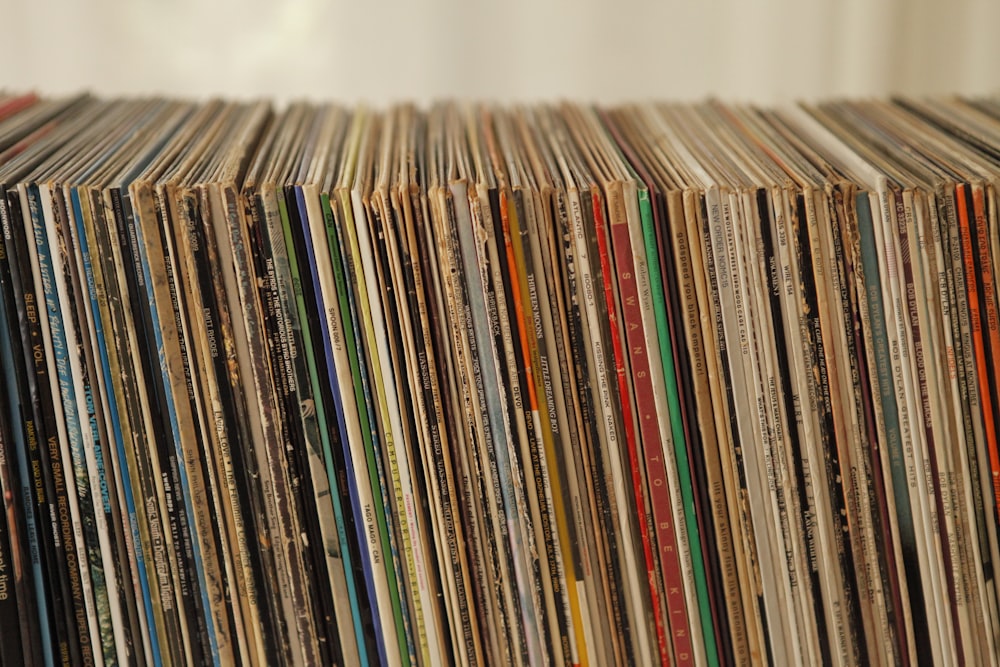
x=652, y=384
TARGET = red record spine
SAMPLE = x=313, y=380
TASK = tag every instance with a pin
x=656, y=471
x=992, y=325
x=628, y=423
x=975, y=320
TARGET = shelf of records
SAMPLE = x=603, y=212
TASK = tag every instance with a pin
x=469, y=384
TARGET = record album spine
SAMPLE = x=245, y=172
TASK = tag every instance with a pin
x=982, y=311
x=336, y=550
x=893, y=429
x=237, y=232
x=171, y=488
x=530, y=331
x=325, y=567
x=934, y=487
x=581, y=422
x=655, y=523
x=498, y=437
x=362, y=476
x=677, y=468
x=704, y=463
x=285, y=461
x=440, y=462
x=66, y=593
x=129, y=561
x=566, y=432
x=386, y=584
x=317, y=289
x=29, y=573
x=13, y=588
x=84, y=441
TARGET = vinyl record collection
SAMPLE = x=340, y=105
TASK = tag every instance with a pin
x=681, y=384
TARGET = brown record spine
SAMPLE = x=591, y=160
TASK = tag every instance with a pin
x=193, y=264
x=583, y=402
x=847, y=246
x=906, y=225
x=855, y=499
x=441, y=464
x=499, y=275
x=158, y=220
x=240, y=469
x=523, y=284
x=694, y=296
x=554, y=373
x=489, y=557
x=235, y=232
x=567, y=431
x=816, y=354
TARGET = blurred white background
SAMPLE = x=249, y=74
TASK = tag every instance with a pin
x=755, y=50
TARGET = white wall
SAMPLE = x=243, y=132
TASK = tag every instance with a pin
x=755, y=50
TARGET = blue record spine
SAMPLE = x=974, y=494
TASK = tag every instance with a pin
x=115, y=431
x=331, y=376
x=89, y=563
